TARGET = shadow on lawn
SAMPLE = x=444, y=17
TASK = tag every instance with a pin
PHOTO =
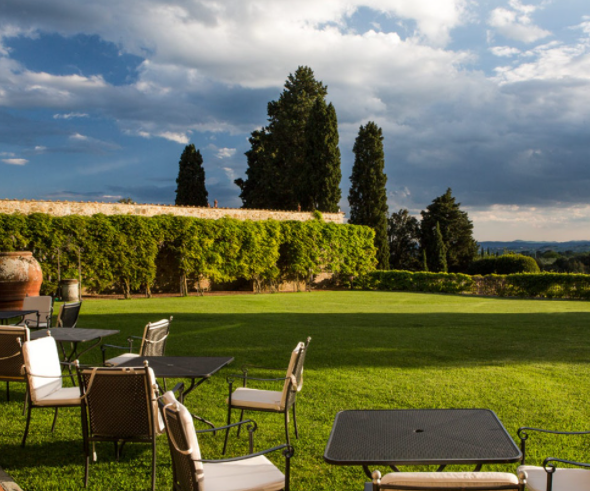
x=368, y=339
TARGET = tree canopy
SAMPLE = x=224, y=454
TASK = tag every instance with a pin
x=190, y=190
x=368, y=196
x=295, y=161
x=403, y=233
x=456, y=230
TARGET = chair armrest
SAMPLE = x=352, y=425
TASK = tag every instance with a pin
x=289, y=452
x=236, y=375
x=551, y=468
x=247, y=366
x=133, y=337
x=217, y=428
x=523, y=435
x=104, y=347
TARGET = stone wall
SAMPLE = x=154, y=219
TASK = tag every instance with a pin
x=62, y=208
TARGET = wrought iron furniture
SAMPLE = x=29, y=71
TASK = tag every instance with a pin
x=119, y=405
x=153, y=343
x=549, y=477
x=73, y=337
x=6, y=315
x=400, y=437
x=245, y=398
x=68, y=314
x=44, y=379
x=253, y=472
x=11, y=356
x=196, y=368
x=43, y=307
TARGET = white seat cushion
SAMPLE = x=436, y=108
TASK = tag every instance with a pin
x=41, y=359
x=563, y=479
x=117, y=360
x=254, y=398
x=65, y=396
x=450, y=479
x=257, y=473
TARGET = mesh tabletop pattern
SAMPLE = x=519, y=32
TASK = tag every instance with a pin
x=74, y=334
x=420, y=436
x=181, y=366
x=12, y=314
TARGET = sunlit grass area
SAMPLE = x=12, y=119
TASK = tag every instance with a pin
x=527, y=360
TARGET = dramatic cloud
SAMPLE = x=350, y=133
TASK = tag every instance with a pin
x=516, y=23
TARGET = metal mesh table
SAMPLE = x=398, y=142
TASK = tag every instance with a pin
x=6, y=315
x=419, y=437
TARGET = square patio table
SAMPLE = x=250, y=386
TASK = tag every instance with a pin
x=196, y=368
x=419, y=437
x=6, y=315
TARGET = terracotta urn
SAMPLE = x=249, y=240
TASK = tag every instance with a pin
x=20, y=276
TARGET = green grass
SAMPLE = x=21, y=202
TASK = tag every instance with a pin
x=527, y=360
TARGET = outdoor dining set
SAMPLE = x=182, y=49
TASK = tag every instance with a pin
x=126, y=400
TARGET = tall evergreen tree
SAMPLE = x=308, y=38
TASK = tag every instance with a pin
x=438, y=262
x=456, y=230
x=321, y=180
x=278, y=172
x=190, y=190
x=368, y=197
x=403, y=234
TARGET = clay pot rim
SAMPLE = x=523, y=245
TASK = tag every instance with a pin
x=16, y=253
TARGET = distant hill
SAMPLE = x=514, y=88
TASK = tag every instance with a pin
x=532, y=246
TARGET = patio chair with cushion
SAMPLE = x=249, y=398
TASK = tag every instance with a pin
x=445, y=481
x=119, y=405
x=248, y=399
x=253, y=472
x=11, y=356
x=42, y=304
x=153, y=343
x=549, y=477
x=68, y=314
x=44, y=379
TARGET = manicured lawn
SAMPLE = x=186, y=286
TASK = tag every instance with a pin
x=525, y=360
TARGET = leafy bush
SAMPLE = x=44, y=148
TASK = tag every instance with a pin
x=129, y=253
x=505, y=264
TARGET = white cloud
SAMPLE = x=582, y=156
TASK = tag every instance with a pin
x=78, y=137
x=504, y=51
x=15, y=161
x=224, y=153
x=70, y=115
x=516, y=23
x=175, y=137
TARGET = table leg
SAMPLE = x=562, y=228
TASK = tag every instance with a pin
x=193, y=386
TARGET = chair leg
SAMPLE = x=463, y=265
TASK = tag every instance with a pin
x=287, y=426
x=26, y=400
x=227, y=429
x=86, y=469
x=295, y=422
x=241, y=419
x=54, y=420
x=154, y=463
x=27, y=424
x=7, y=391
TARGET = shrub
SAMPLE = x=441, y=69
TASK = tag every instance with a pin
x=506, y=264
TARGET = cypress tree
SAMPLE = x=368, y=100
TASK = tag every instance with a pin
x=321, y=189
x=368, y=196
x=279, y=179
x=456, y=230
x=439, y=253
x=190, y=190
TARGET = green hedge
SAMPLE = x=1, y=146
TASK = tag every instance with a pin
x=505, y=264
x=543, y=285
x=132, y=253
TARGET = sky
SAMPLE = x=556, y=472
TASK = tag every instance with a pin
x=98, y=99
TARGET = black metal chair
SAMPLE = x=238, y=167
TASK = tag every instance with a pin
x=247, y=399
x=119, y=405
x=253, y=472
x=11, y=356
x=445, y=481
x=44, y=379
x=153, y=343
x=549, y=477
x=68, y=314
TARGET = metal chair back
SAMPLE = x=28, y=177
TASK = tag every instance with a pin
x=68, y=314
x=154, y=338
x=119, y=405
x=11, y=356
x=294, y=380
x=42, y=304
x=184, y=447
